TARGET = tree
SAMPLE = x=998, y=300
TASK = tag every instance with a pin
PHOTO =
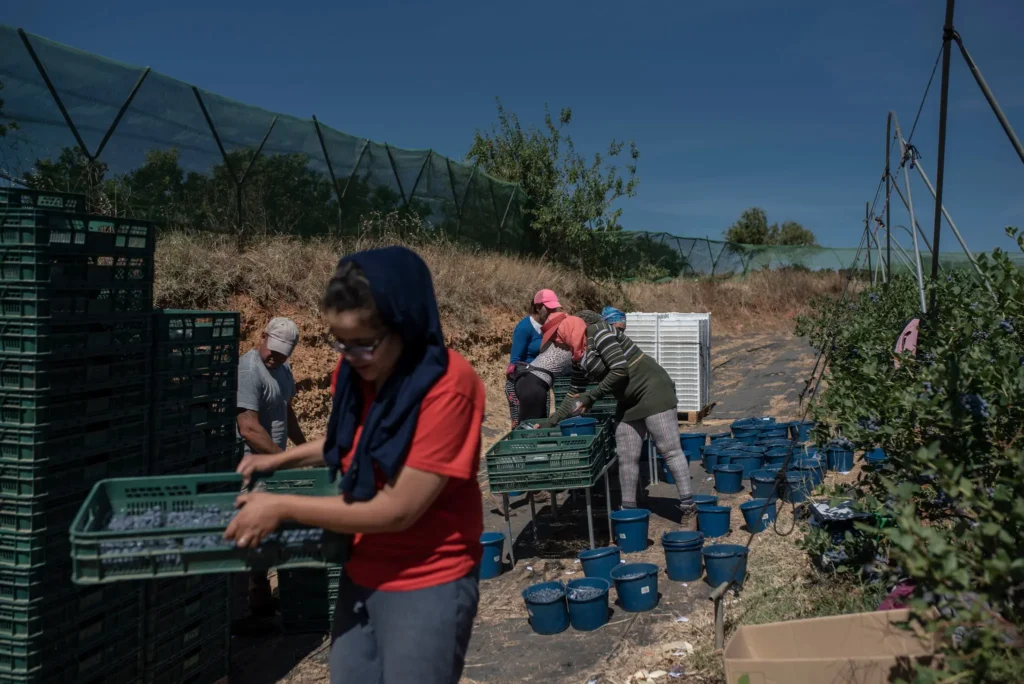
x=793, y=234
x=5, y=124
x=569, y=198
x=752, y=229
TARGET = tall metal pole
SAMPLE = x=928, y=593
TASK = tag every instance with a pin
x=867, y=232
x=917, y=248
x=987, y=92
x=888, y=242
x=940, y=170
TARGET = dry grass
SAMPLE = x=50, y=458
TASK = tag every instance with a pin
x=481, y=296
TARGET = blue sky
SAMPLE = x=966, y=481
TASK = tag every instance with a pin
x=732, y=103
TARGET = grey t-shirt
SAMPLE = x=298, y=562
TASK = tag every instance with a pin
x=267, y=392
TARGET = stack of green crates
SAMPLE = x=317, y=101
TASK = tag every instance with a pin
x=75, y=342
x=536, y=460
x=187, y=628
x=307, y=598
x=194, y=392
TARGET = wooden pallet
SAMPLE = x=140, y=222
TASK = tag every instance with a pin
x=694, y=417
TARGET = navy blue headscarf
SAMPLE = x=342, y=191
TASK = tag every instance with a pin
x=404, y=295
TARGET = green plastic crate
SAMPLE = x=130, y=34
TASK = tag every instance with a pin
x=27, y=585
x=75, y=232
x=185, y=446
x=213, y=623
x=544, y=480
x=30, y=409
x=75, y=340
x=187, y=415
x=188, y=357
x=164, y=552
x=41, y=200
x=73, y=439
x=21, y=373
x=109, y=642
x=74, y=476
x=222, y=459
x=178, y=620
x=51, y=618
x=307, y=599
x=75, y=304
x=24, y=551
x=203, y=663
x=41, y=265
x=200, y=327
x=204, y=384
x=36, y=516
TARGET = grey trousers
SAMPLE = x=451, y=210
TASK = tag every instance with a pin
x=395, y=637
x=629, y=440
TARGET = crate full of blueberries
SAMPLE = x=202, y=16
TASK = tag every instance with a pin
x=173, y=526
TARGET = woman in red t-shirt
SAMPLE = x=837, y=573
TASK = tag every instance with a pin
x=405, y=433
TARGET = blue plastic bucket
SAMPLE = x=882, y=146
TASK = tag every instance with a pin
x=807, y=450
x=761, y=483
x=599, y=563
x=549, y=614
x=514, y=494
x=876, y=459
x=725, y=456
x=777, y=455
x=801, y=431
x=811, y=468
x=666, y=474
x=709, y=458
x=683, y=562
x=758, y=521
x=630, y=527
x=705, y=499
x=774, y=431
x=494, y=550
x=751, y=449
x=718, y=435
x=840, y=460
x=588, y=603
x=746, y=434
x=724, y=563
x=691, y=442
x=728, y=479
x=797, y=487
x=575, y=427
x=713, y=521
x=637, y=586
x=749, y=463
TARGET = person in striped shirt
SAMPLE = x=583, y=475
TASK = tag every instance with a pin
x=645, y=393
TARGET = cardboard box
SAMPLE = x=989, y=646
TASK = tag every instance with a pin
x=864, y=648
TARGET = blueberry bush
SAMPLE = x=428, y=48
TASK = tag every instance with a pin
x=950, y=418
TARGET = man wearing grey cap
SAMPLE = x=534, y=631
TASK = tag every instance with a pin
x=265, y=391
x=266, y=419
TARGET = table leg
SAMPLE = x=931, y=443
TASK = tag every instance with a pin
x=508, y=531
x=554, y=505
x=608, y=505
x=590, y=518
x=533, y=519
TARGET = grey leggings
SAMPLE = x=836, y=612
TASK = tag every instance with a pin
x=394, y=637
x=629, y=440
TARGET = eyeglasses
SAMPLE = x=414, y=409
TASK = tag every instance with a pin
x=354, y=351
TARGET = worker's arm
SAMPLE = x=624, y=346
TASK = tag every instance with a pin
x=307, y=455
x=294, y=429
x=254, y=434
x=614, y=382
x=394, y=509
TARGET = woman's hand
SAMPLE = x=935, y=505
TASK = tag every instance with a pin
x=259, y=515
x=255, y=463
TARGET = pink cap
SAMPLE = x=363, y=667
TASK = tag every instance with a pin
x=548, y=298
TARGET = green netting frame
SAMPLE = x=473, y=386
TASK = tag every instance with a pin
x=110, y=117
x=703, y=256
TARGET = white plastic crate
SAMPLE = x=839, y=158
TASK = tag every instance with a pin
x=681, y=344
